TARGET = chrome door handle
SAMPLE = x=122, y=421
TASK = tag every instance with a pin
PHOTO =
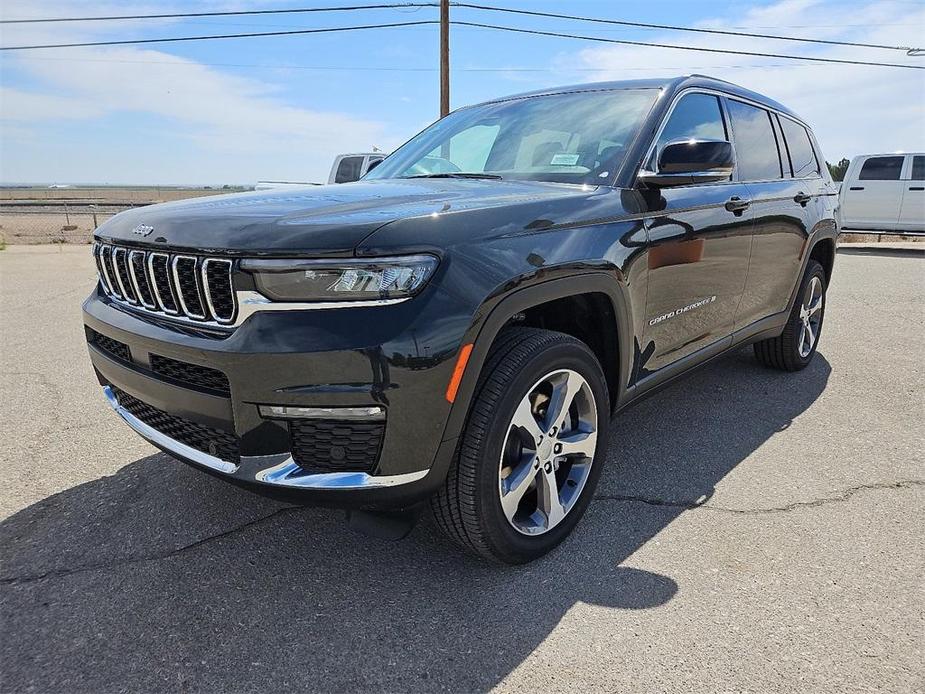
x=737, y=205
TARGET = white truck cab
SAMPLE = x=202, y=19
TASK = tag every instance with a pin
x=884, y=193
x=352, y=167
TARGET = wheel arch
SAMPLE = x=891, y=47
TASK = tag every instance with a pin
x=823, y=251
x=546, y=302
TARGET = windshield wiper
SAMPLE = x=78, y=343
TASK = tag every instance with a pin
x=457, y=174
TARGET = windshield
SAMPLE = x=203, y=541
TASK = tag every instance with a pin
x=579, y=137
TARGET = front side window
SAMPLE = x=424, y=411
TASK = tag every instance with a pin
x=757, y=156
x=695, y=117
x=579, y=137
x=881, y=169
x=802, y=158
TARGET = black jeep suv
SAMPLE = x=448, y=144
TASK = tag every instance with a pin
x=460, y=325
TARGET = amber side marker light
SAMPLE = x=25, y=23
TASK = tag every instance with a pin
x=461, y=361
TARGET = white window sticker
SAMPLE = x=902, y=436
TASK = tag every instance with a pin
x=564, y=160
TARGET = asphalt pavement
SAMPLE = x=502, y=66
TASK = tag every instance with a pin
x=752, y=531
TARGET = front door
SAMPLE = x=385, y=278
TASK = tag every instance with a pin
x=699, y=242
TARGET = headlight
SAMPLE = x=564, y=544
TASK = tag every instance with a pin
x=354, y=279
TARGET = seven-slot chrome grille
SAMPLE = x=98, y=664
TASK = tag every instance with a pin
x=185, y=287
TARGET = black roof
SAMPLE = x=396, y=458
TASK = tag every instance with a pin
x=670, y=84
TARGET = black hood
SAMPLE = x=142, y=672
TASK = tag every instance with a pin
x=334, y=220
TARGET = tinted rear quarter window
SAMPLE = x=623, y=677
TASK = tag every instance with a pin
x=800, y=147
x=757, y=157
x=881, y=169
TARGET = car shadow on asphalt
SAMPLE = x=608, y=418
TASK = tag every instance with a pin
x=160, y=577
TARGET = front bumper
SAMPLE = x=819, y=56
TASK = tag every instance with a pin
x=386, y=357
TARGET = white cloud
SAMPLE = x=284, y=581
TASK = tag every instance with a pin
x=221, y=117
x=853, y=109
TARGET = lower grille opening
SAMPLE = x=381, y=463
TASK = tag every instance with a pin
x=215, y=442
x=110, y=346
x=336, y=445
x=202, y=376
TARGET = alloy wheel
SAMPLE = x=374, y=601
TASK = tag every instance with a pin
x=811, y=317
x=548, y=453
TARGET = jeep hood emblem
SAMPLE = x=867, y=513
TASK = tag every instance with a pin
x=143, y=229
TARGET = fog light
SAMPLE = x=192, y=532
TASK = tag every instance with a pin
x=290, y=412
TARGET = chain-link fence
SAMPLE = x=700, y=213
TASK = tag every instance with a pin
x=31, y=215
x=53, y=223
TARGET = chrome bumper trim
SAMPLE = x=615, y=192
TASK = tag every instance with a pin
x=158, y=439
x=288, y=474
x=283, y=470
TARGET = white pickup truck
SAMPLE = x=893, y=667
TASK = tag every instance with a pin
x=884, y=193
x=346, y=169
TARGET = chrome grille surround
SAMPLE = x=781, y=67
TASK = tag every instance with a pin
x=175, y=286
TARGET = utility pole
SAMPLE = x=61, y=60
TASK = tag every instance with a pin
x=444, y=57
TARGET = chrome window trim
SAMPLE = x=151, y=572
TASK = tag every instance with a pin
x=727, y=95
x=283, y=471
x=176, y=279
x=208, y=291
x=154, y=288
x=131, y=272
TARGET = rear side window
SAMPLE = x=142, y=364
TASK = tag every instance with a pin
x=800, y=147
x=349, y=169
x=881, y=169
x=757, y=157
x=918, y=168
x=694, y=116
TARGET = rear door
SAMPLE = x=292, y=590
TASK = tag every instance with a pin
x=784, y=179
x=699, y=239
x=912, y=211
x=873, y=199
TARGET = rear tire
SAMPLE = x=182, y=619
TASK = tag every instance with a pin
x=794, y=348
x=527, y=442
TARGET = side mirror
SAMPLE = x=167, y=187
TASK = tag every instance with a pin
x=685, y=162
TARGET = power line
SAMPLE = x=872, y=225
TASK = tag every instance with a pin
x=644, y=25
x=474, y=6
x=371, y=68
x=221, y=36
x=496, y=27
x=181, y=15
x=728, y=51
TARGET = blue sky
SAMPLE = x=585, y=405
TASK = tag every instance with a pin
x=237, y=111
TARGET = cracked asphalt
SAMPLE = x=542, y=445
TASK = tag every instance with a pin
x=753, y=531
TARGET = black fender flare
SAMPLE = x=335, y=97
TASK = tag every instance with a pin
x=819, y=235
x=495, y=313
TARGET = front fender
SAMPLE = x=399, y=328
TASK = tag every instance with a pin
x=498, y=309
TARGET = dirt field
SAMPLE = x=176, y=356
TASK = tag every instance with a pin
x=69, y=215
x=31, y=216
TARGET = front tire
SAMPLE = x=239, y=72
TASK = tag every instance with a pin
x=794, y=348
x=532, y=451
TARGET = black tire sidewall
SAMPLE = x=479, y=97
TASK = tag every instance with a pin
x=505, y=541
